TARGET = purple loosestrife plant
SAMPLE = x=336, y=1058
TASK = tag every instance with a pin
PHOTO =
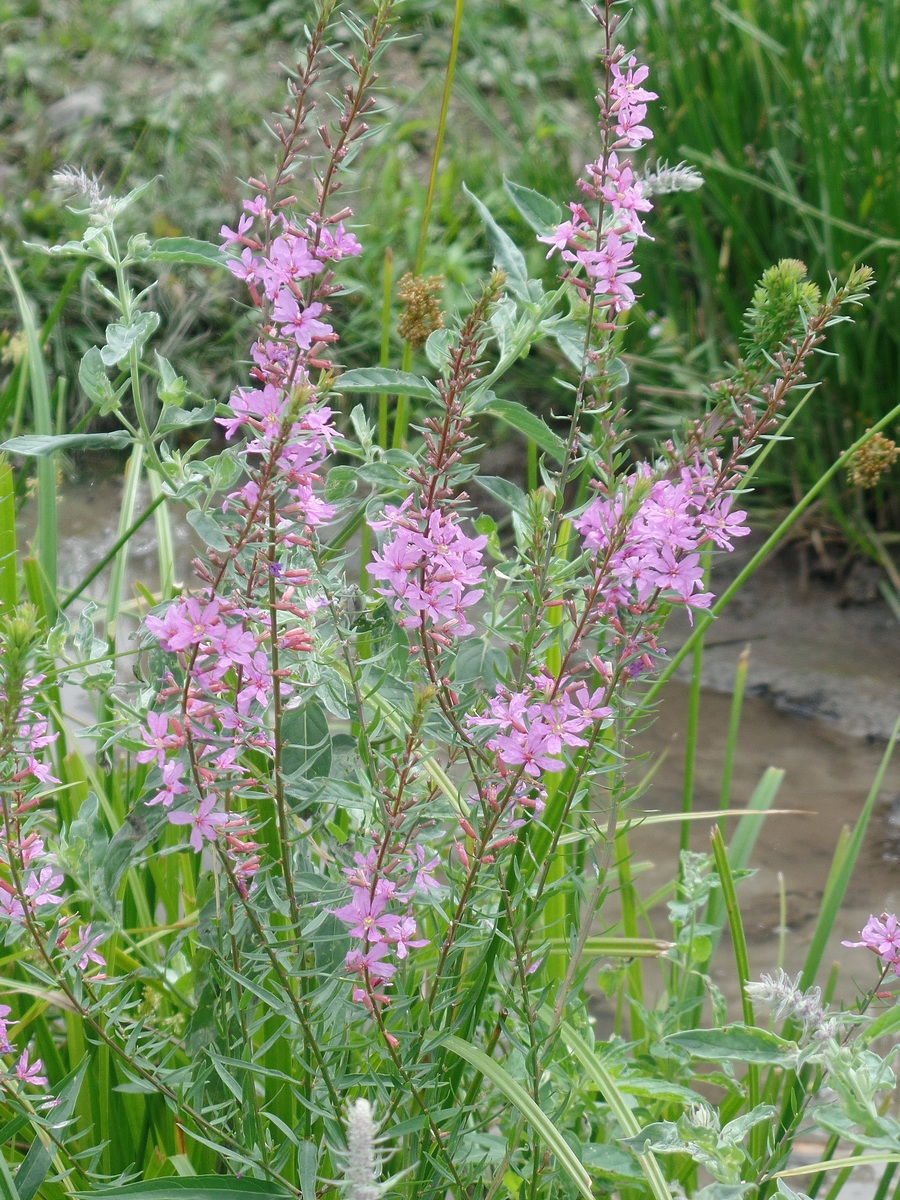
x=374, y=824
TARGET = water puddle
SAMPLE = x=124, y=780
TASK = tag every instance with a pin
x=827, y=777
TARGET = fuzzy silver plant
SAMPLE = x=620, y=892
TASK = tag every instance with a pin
x=362, y=1166
x=661, y=179
x=785, y=999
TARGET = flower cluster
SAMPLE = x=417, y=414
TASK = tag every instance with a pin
x=431, y=567
x=378, y=889
x=228, y=666
x=881, y=935
x=31, y=878
x=600, y=243
x=646, y=538
x=291, y=430
x=533, y=726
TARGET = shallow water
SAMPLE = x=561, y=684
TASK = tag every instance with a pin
x=827, y=776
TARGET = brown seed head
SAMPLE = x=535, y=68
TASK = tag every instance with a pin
x=422, y=313
x=872, y=459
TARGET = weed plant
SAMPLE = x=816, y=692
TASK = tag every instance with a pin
x=319, y=912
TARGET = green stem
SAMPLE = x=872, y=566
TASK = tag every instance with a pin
x=734, y=726
x=439, y=140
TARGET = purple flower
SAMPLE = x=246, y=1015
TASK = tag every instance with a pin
x=335, y=243
x=30, y=1074
x=372, y=962
x=288, y=259
x=158, y=739
x=5, y=1044
x=881, y=935
x=172, y=785
x=363, y=915
x=39, y=886
x=185, y=623
x=86, y=948
x=401, y=931
x=300, y=324
x=204, y=821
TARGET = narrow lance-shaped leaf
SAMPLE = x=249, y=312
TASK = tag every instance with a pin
x=381, y=379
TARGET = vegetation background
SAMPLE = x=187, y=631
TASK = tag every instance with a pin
x=790, y=110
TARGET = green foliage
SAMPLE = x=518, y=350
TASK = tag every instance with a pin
x=217, y=1052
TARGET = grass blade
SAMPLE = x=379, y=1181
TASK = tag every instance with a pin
x=48, y=533
x=539, y=1121
x=839, y=879
x=622, y=1111
x=8, y=583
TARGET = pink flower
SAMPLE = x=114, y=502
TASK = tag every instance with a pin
x=629, y=102
x=881, y=935
x=229, y=237
x=30, y=1074
x=86, y=948
x=158, y=739
x=401, y=931
x=363, y=915
x=39, y=886
x=288, y=260
x=5, y=1044
x=185, y=623
x=204, y=821
x=300, y=324
x=172, y=785
x=335, y=243
x=372, y=962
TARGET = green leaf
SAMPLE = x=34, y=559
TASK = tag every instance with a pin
x=174, y=417
x=209, y=530
x=96, y=383
x=541, y=213
x=607, y=1159
x=307, y=1166
x=188, y=250
x=122, y=339
x=535, y=429
x=193, y=1187
x=35, y=445
x=477, y=660
x=438, y=347
x=381, y=379
x=140, y=829
x=307, y=741
x=172, y=388
x=737, y=1042
x=7, y=1183
x=8, y=582
x=884, y=1025
x=539, y=1121
x=505, y=491
x=507, y=256
x=340, y=483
